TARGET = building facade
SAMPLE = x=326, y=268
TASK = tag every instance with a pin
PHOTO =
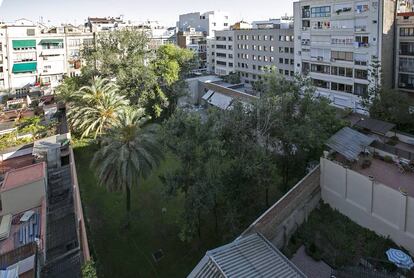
x=220, y=53
x=195, y=41
x=207, y=22
x=336, y=42
x=269, y=45
x=404, y=66
x=37, y=55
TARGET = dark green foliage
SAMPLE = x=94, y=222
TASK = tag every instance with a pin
x=236, y=163
x=334, y=238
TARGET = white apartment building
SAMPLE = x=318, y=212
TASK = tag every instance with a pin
x=3, y=61
x=34, y=55
x=336, y=41
x=250, y=51
x=220, y=53
x=404, y=66
x=207, y=22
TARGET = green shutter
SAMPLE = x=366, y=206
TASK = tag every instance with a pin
x=24, y=43
x=24, y=67
x=51, y=41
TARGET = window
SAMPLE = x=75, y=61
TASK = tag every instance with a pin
x=272, y=49
x=30, y=32
x=407, y=48
x=407, y=32
x=272, y=59
x=320, y=68
x=286, y=72
x=341, y=71
x=362, y=8
x=360, y=89
x=320, y=83
x=361, y=74
x=287, y=61
x=221, y=63
x=324, y=11
x=342, y=56
x=281, y=60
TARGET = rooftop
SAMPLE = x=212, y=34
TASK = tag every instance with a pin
x=22, y=233
x=388, y=174
x=22, y=176
x=250, y=256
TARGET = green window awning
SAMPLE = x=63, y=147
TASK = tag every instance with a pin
x=24, y=67
x=24, y=43
x=51, y=41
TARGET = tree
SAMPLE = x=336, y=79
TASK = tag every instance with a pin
x=385, y=104
x=129, y=152
x=96, y=108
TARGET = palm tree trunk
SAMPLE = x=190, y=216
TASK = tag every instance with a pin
x=128, y=206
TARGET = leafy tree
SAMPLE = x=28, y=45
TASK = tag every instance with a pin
x=96, y=108
x=129, y=152
x=89, y=270
x=387, y=105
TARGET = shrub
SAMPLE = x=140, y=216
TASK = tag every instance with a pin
x=388, y=159
x=366, y=163
x=89, y=270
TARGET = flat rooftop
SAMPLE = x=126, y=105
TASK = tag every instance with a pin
x=16, y=163
x=22, y=176
x=388, y=175
x=23, y=233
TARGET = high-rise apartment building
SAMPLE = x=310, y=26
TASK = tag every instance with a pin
x=270, y=44
x=404, y=66
x=250, y=51
x=336, y=42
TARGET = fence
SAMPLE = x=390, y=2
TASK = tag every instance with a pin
x=393, y=150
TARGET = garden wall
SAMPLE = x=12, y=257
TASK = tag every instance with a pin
x=372, y=205
x=281, y=220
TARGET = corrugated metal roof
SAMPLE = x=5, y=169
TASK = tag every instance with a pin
x=375, y=126
x=349, y=143
x=219, y=100
x=251, y=256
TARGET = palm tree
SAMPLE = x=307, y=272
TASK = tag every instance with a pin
x=96, y=108
x=129, y=151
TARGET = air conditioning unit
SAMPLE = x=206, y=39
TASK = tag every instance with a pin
x=319, y=58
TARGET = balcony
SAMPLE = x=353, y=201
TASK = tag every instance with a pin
x=53, y=52
x=361, y=28
x=361, y=44
x=1, y=75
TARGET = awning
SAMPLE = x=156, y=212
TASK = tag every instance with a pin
x=51, y=41
x=220, y=100
x=24, y=44
x=349, y=143
x=208, y=95
x=25, y=67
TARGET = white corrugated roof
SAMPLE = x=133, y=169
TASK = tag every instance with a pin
x=219, y=100
x=251, y=256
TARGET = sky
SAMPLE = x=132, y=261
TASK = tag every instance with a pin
x=165, y=11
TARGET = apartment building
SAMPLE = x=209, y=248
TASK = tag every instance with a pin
x=336, y=41
x=220, y=53
x=32, y=54
x=207, y=22
x=3, y=61
x=404, y=63
x=271, y=44
x=195, y=41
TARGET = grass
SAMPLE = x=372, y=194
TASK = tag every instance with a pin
x=128, y=253
x=334, y=238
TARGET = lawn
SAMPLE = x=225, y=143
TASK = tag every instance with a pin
x=119, y=252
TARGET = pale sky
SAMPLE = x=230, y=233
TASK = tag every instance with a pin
x=165, y=11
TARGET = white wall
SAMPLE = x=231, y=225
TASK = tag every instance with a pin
x=372, y=205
